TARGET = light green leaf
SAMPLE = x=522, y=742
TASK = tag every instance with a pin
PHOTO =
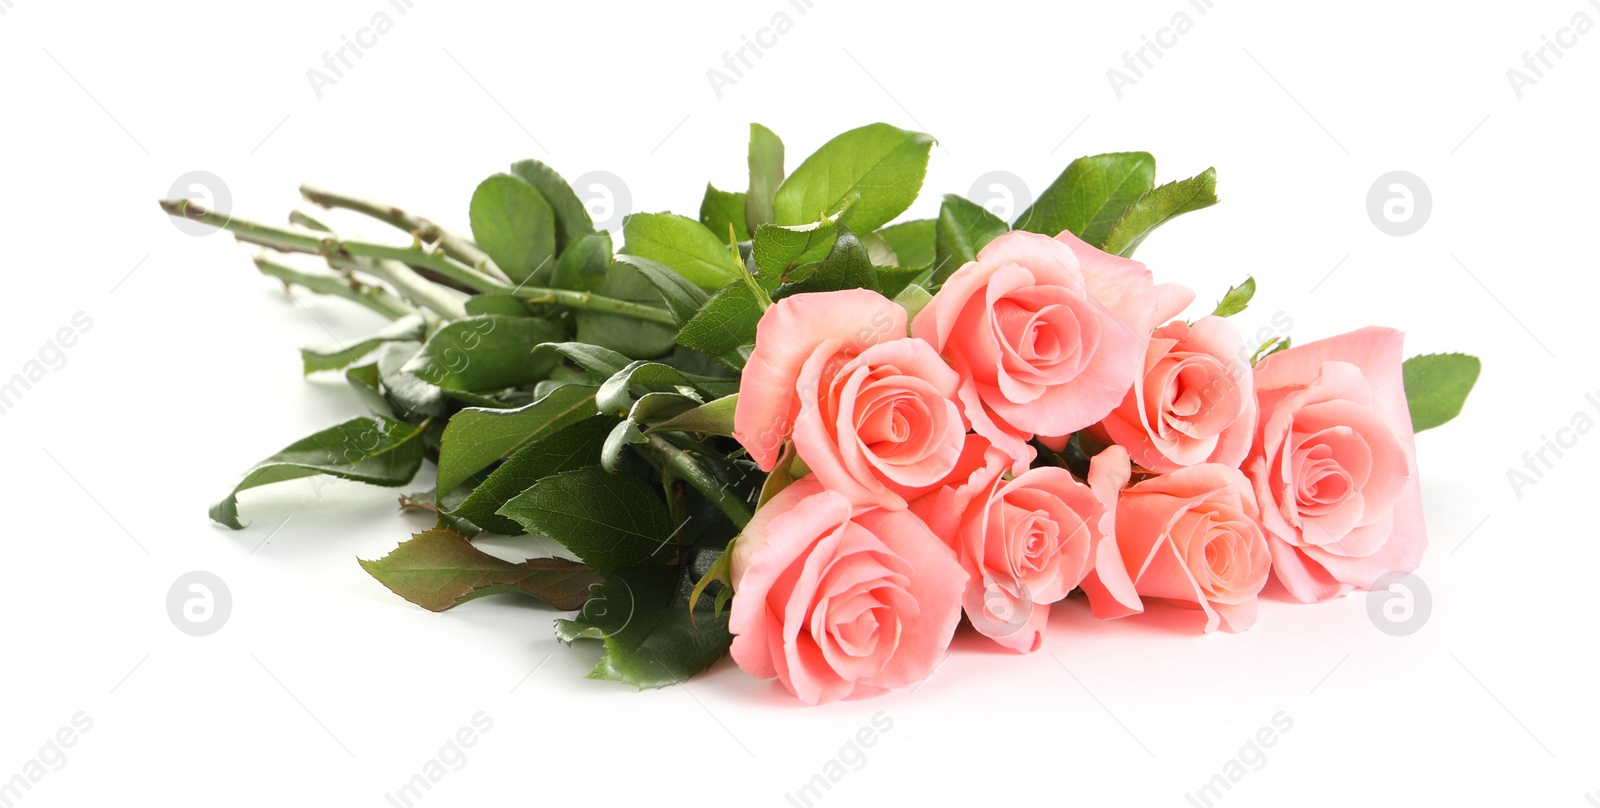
x=1437, y=386
x=514, y=224
x=333, y=357
x=1091, y=195
x=572, y=217
x=766, y=174
x=1158, y=207
x=584, y=264
x=1237, y=298
x=720, y=210
x=682, y=244
x=913, y=241
x=884, y=164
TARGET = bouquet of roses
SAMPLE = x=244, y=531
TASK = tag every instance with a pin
x=794, y=431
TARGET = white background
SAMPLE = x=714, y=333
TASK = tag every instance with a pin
x=325, y=689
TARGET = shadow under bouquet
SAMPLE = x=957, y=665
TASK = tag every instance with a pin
x=793, y=431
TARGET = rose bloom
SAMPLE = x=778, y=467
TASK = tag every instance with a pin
x=872, y=412
x=1189, y=537
x=1047, y=334
x=837, y=605
x=1334, y=464
x=1025, y=542
x=1194, y=402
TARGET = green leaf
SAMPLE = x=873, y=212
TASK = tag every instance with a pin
x=374, y=450
x=1091, y=195
x=720, y=210
x=439, y=569
x=1158, y=207
x=412, y=399
x=652, y=639
x=584, y=264
x=891, y=281
x=710, y=418
x=885, y=165
x=572, y=217
x=514, y=224
x=616, y=394
x=610, y=521
x=683, y=298
x=406, y=329
x=766, y=174
x=913, y=299
x=781, y=252
x=963, y=229
x=566, y=449
x=477, y=437
x=1237, y=298
x=1437, y=386
x=635, y=338
x=727, y=321
x=913, y=241
x=625, y=434
x=682, y=244
x=484, y=354
x=846, y=267
x=602, y=362
x=365, y=380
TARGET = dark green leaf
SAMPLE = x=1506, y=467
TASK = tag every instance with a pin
x=963, y=228
x=1237, y=298
x=682, y=244
x=365, y=380
x=720, y=210
x=374, y=450
x=652, y=639
x=572, y=217
x=1091, y=195
x=476, y=438
x=610, y=521
x=1158, y=207
x=616, y=394
x=846, y=267
x=1437, y=386
x=913, y=242
x=438, y=569
x=411, y=398
x=885, y=165
x=483, y=354
x=625, y=434
x=514, y=224
x=766, y=174
x=571, y=448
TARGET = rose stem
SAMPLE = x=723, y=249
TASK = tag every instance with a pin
x=414, y=255
x=455, y=246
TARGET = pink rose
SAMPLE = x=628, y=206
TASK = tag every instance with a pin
x=881, y=428
x=1194, y=402
x=829, y=327
x=837, y=605
x=1025, y=543
x=1334, y=464
x=1189, y=537
x=1048, y=334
